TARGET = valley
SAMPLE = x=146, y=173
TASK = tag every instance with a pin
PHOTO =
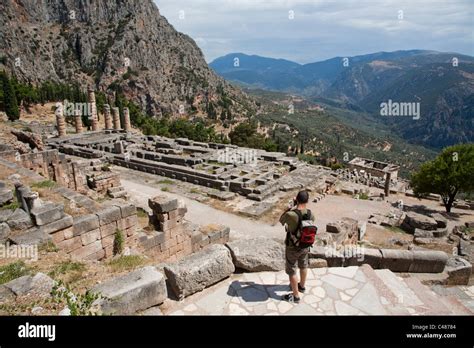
x=441, y=82
x=138, y=180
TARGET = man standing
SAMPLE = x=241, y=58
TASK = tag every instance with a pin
x=300, y=233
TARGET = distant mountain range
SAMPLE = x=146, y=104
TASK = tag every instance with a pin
x=443, y=84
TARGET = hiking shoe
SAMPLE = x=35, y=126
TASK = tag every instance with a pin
x=291, y=298
x=301, y=289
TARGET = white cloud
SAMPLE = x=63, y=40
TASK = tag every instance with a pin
x=322, y=28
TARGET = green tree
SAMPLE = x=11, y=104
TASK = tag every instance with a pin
x=211, y=111
x=270, y=146
x=223, y=116
x=246, y=135
x=242, y=134
x=10, y=102
x=448, y=174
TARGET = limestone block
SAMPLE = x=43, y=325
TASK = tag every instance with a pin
x=200, y=270
x=132, y=292
x=257, y=254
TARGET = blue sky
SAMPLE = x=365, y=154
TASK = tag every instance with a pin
x=311, y=30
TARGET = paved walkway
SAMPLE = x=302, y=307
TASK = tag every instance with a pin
x=330, y=291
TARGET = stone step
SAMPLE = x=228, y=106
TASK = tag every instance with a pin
x=456, y=291
x=428, y=297
x=404, y=294
x=468, y=290
x=118, y=194
x=396, y=307
x=336, y=290
x=469, y=304
x=115, y=189
x=431, y=278
x=463, y=294
x=456, y=305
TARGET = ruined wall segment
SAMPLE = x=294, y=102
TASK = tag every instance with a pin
x=173, y=238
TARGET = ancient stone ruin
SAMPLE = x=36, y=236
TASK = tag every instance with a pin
x=173, y=239
x=210, y=165
x=89, y=217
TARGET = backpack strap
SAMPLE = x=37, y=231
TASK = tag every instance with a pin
x=300, y=216
x=290, y=236
x=294, y=238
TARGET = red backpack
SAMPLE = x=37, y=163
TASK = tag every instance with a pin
x=306, y=232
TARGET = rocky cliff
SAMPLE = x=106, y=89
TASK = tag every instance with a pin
x=114, y=45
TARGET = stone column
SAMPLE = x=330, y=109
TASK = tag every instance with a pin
x=107, y=117
x=78, y=121
x=60, y=122
x=126, y=120
x=21, y=191
x=388, y=177
x=116, y=117
x=32, y=200
x=94, y=120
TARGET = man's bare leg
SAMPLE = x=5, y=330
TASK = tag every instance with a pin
x=294, y=285
x=303, y=275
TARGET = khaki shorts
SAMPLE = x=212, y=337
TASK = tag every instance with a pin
x=295, y=256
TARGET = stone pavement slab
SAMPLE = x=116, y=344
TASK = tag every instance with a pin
x=330, y=291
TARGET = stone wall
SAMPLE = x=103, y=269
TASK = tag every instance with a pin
x=92, y=236
x=173, y=238
x=171, y=171
x=53, y=166
x=86, y=237
x=78, y=175
x=103, y=181
x=7, y=152
x=49, y=164
x=375, y=168
x=173, y=241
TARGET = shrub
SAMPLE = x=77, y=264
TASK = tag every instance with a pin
x=119, y=242
x=78, y=304
x=13, y=271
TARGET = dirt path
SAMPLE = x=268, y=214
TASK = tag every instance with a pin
x=203, y=214
x=330, y=209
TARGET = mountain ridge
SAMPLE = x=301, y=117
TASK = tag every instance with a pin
x=366, y=81
x=121, y=46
